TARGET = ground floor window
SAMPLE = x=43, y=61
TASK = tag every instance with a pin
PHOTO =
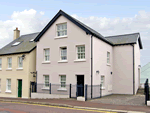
x=103, y=81
x=8, y=87
x=63, y=81
x=46, y=80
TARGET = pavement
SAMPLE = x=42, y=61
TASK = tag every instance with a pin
x=72, y=103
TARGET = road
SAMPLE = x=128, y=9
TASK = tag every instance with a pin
x=7, y=107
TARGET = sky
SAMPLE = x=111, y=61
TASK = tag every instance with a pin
x=108, y=17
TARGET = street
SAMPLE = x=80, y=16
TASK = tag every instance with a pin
x=7, y=107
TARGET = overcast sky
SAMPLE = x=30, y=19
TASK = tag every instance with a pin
x=108, y=17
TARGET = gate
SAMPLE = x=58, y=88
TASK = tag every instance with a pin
x=146, y=91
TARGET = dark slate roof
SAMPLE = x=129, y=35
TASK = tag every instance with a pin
x=24, y=47
x=125, y=39
x=87, y=29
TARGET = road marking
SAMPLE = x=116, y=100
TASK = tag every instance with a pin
x=62, y=107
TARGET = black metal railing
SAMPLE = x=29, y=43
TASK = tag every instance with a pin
x=146, y=91
x=69, y=89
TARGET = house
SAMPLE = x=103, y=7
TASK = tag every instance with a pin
x=69, y=51
x=145, y=73
x=17, y=61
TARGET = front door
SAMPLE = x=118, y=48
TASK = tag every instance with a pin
x=19, y=88
x=80, y=85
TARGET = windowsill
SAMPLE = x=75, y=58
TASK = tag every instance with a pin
x=58, y=37
x=108, y=64
x=19, y=69
x=9, y=69
x=80, y=60
x=103, y=88
x=63, y=61
x=62, y=89
x=45, y=88
x=46, y=62
x=7, y=91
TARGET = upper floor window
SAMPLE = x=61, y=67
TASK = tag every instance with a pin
x=81, y=52
x=20, y=62
x=62, y=29
x=46, y=54
x=108, y=57
x=0, y=63
x=64, y=53
x=9, y=62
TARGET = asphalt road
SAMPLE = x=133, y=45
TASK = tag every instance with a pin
x=28, y=108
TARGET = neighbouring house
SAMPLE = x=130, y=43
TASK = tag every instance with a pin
x=70, y=52
x=145, y=73
x=17, y=61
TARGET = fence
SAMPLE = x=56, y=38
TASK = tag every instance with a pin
x=72, y=90
x=146, y=91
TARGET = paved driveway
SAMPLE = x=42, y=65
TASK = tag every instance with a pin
x=138, y=100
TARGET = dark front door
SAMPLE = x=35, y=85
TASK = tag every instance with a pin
x=80, y=85
x=19, y=88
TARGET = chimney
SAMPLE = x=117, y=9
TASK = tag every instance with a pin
x=16, y=33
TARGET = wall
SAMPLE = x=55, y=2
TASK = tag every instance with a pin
x=123, y=69
x=14, y=75
x=100, y=50
x=71, y=68
x=137, y=63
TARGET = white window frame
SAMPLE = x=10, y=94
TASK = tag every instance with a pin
x=9, y=63
x=108, y=57
x=0, y=63
x=46, y=55
x=20, y=64
x=80, y=52
x=7, y=85
x=63, y=31
x=46, y=81
x=64, y=81
x=103, y=81
x=62, y=53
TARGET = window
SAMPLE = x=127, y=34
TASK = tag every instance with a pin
x=46, y=80
x=46, y=54
x=8, y=87
x=102, y=81
x=62, y=29
x=9, y=62
x=0, y=63
x=64, y=53
x=63, y=81
x=16, y=43
x=20, y=62
x=108, y=57
x=81, y=52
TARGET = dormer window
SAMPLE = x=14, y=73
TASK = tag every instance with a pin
x=62, y=29
x=16, y=43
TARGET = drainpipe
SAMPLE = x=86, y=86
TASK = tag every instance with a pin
x=133, y=71
x=91, y=66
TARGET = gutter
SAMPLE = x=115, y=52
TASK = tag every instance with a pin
x=91, y=66
x=133, y=71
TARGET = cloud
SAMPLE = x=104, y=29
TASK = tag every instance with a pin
x=114, y=26
x=27, y=21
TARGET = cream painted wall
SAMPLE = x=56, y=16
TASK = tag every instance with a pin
x=100, y=50
x=75, y=36
x=15, y=74
x=123, y=69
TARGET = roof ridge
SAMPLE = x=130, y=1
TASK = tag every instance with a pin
x=29, y=34
x=120, y=35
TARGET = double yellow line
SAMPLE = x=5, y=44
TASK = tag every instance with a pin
x=61, y=107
